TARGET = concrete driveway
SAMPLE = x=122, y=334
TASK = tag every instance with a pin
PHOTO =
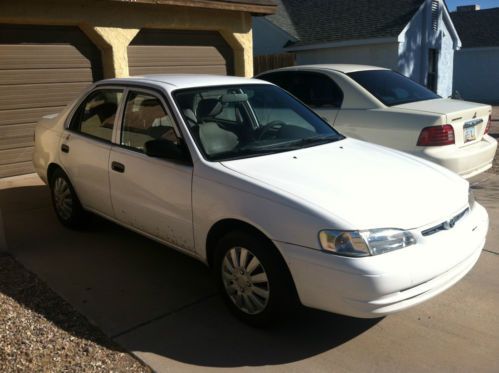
x=163, y=307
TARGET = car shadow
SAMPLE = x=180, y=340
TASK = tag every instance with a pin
x=148, y=297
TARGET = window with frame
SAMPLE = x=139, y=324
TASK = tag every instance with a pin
x=144, y=120
x=314, y=89
x=96, y=115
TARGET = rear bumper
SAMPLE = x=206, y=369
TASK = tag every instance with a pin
x=379, y=285
x=466, y=161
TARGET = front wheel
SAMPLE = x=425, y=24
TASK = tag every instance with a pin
x=253, y=278
x=65, y=201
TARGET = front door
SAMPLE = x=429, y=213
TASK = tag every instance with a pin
x=150, y=194
x=86, y=145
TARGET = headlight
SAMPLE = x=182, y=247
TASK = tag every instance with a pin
x=471, y=198
x=365, y=243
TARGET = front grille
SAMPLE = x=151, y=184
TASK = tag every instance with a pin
x=446, y=225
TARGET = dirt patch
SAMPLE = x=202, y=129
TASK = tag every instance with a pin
x=40, y=332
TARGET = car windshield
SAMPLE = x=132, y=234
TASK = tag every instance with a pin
x=244, y=121
x=392, y=88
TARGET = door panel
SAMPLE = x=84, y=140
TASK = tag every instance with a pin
x=150, y=194
x=153, y=195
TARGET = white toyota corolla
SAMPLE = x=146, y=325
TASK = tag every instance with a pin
x=242, y=176
x=386, y=108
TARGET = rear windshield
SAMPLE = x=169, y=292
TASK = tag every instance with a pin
x=392, y=88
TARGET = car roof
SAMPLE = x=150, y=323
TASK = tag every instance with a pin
x=179, y=81
x=344, y=68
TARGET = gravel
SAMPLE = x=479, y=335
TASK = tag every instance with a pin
x=40, y=332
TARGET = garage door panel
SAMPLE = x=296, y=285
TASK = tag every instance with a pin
x=42, y=56
x=217, y=70
x=42, y=69
x=169, y=51
x=15, y=155
x=18, y=168
x=37, y=76
x=38, y=95
x=24, y=116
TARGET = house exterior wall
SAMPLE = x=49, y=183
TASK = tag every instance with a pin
x=416, y=40
x=476, y=74
x=113, y=25
x=267, y=38
x=384, y=55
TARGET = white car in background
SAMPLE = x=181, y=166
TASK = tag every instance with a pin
x=384, y=107
x=242, y=176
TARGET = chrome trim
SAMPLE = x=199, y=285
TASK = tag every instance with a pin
x=446, y=225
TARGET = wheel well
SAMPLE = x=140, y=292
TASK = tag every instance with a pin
x=223, y=227
x=51, y=170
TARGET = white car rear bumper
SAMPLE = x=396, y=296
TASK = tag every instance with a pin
x=467, y=161
x=379, y=285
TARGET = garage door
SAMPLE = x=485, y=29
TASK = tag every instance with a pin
x=167, y=51
x=42, y=68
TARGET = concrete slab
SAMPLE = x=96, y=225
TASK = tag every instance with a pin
x=456, y=332
x=161, y=304
x=115, y=277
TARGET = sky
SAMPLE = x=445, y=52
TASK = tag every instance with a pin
x=483, y=3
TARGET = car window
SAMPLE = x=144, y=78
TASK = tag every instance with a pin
x=392, y=88
x=145, y=119
x=267, y=120
x=314, y=89
x=95, y=116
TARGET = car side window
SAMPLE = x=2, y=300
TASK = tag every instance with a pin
x=314, y=89
x=95, y=116
x=145, y=119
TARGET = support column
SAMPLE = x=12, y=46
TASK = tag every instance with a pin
x=113, y=43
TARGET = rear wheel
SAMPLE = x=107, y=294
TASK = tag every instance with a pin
x=65, y=201
x=253, y=278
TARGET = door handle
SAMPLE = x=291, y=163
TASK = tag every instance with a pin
x=65, y=148
x=118, y=167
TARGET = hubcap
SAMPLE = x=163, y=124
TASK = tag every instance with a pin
x=63, y=198
x=245, y=280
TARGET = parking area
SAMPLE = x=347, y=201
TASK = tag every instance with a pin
x=162, y=305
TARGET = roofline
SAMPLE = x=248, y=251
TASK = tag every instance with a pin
x=248, y=6
x=278, y=29
x=450, y=25
x=344, y=43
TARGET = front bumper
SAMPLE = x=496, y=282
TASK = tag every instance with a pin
x=467, y=161
x=379, y=285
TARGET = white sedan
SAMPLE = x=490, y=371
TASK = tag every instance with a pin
x=242, y=176
x=383, y=107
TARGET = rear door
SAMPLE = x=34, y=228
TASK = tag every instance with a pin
x=86, y=145
x=150, y=194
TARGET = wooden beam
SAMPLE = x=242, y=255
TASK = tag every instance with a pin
x=259, y=7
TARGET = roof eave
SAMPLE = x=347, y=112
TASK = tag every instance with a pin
x=256, y=8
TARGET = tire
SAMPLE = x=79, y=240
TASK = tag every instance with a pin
x=253, y=278
x=65, y=202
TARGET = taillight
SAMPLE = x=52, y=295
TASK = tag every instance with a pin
x=487, y=128
x=436, y=136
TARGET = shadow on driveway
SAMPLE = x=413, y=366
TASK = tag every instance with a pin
x=151, y=298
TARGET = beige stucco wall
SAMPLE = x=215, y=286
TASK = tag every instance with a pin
x=113, y=25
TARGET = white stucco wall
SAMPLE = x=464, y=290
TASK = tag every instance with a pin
x=384, y=55
x=476, y=74
x=417, y=39
x=445, y=62
x=267, y=38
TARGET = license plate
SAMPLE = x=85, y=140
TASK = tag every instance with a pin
x=469, y=134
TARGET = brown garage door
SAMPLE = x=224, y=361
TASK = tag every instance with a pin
x=168, y=51
x=42, y=68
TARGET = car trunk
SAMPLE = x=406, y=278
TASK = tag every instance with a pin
x=469, y=119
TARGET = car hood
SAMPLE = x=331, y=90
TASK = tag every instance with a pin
x=445, y=106
x=365, y=185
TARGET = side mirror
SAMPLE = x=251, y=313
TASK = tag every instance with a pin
x=161, y=148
